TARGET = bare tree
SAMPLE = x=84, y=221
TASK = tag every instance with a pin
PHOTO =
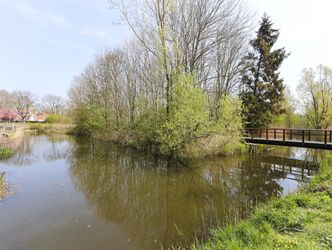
x=53, y=104
x=4, y=99
x=21, y=103
x=315, y=90
x=206, y=38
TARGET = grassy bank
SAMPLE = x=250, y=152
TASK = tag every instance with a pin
x=50, y=128
x=302, y=220
x=3, y=186
x=5, y=153
x=15, y=132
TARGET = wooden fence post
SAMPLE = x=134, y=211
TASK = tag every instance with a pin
x=283, y=134
x=291, y=134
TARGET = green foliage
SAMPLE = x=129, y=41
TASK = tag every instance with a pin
x=229, y=118
x=188, y=116
x=315, y=90
x=2, y=184
x=302, y=220
x=88, y=121
x=186, y=131
x=221, y=135
x=5, y=153
x=263, y=88
x=37, y=127
x=2, y=179
x=45, y=128
x=290, y=120
x=53, y=118
x=229, y=125
x=146, y=127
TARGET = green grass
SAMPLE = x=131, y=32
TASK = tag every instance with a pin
x=3, y=186
x=47, y=128
x=302, y=220
x=5, y=153
x=59, y=119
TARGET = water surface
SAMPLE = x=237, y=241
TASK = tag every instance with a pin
x=74, y=194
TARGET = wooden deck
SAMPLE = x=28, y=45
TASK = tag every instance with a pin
x=305, y=138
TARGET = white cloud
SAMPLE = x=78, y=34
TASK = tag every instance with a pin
x=97, y=33
x=304, y=31
x=46, y=18
x=39, y=16
x=98, y=5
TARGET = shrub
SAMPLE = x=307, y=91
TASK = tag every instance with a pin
x=53, y=118
x=187, y=117
x=190, y=131
x=38, y=127
x=5, y=153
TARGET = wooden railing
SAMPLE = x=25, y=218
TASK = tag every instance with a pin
x=289, y=134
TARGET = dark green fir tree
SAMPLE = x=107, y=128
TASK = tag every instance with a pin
x=262, y=88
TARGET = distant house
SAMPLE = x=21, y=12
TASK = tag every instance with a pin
x=31, y=117
x=36, y=117
x=41, y=117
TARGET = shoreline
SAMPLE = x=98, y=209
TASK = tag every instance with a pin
x=17, y=131
x=12, y=133
x=195, y=151
x=282, y=220
x=301, y=220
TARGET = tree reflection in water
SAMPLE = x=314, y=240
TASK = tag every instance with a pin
x=54, y=148
x=156, y=203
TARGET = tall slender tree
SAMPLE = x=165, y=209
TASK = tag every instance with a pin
x=262, y=88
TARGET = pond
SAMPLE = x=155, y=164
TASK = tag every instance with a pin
x=80, y=194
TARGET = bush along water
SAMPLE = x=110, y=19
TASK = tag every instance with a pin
x=5, y=153
x=3, y=185
x=186, y=128
x=302, y=220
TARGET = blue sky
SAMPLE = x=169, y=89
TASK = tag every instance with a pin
x=305, y=32
x=44, y=43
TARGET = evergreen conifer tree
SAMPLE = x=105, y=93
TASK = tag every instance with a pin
x=262, y=88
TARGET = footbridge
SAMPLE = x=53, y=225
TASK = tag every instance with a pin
x=305, y=138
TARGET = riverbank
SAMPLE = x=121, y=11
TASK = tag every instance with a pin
x=11, y=137
x=202, y=148
x=12, y=134
x=302, y=220
x=5, y=153
x=3, y=186
x=50, y=128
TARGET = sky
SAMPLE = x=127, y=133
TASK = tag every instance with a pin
x=305, y=32
x=45, y=43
